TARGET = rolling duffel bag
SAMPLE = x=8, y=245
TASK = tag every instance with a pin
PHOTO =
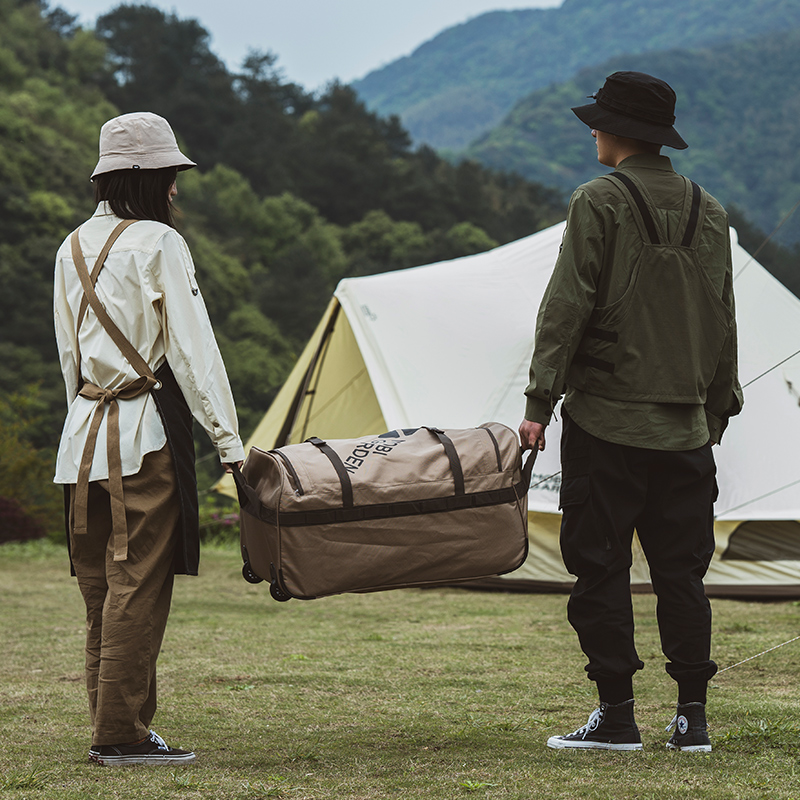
x=407, y=508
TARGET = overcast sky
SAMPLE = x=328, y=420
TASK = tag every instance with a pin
x=317, y=40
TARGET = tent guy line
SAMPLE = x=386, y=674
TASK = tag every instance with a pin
x=756, y=499
x=761, y=246
x=788, y=358
x=763, y=653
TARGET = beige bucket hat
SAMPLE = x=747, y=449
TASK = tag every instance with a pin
x=140, y=140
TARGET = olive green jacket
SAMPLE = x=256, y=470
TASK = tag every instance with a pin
x=637, y=324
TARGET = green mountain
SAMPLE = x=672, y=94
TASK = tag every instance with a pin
x=460, y=84
x=738, y=106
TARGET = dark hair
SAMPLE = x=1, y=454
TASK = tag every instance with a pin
x=138, y=193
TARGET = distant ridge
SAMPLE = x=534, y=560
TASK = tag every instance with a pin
x=461, y=83
x=738, y=107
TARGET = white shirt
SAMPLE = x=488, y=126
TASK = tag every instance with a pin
x=148, y=287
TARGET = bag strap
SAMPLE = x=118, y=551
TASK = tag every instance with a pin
x=87, y=281
x=452, y=457
x=344, y=476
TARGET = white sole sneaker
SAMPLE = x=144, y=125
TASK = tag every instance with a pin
x=691, y=748
x=149, y=759
x=560, y=743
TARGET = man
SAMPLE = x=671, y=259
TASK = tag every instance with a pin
x=637, y=330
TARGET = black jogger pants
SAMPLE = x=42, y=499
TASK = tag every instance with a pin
x=607, y=491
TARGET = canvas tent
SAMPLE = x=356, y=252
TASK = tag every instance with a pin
x=449, y=345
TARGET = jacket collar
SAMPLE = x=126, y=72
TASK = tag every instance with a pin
x=646, y=161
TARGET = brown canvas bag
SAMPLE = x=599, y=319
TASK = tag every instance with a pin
x=415, y=507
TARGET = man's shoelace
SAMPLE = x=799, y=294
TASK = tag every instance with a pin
x=595, y=718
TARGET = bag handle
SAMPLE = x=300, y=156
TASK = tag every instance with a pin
x=527, y=468
x=452, y=457
x=344, y=476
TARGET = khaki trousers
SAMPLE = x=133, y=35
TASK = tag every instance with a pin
x=127, y=602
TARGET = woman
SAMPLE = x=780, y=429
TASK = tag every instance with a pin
x=139, y=359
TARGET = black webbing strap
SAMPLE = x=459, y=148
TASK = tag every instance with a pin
x=248, y=499
x=591, y=361
x=404, y=508
x=602, y=334
x=452, y=456
x=647, y=217
x=527, y=471
x=694, y=215
x=344, y=477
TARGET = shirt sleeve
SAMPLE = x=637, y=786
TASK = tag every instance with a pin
x=567, y=303
x=191, y=348
x=724, y=397
x=66, y=340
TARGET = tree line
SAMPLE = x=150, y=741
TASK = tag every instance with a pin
x=294, y=191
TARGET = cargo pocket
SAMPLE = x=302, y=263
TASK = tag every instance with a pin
x=574, y=482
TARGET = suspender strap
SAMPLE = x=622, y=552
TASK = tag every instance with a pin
x=126, y=348
x=344, y=476
x=106, y=397
x=647, y=217
x=98, y=265
x=452, y=456
x=694, y=216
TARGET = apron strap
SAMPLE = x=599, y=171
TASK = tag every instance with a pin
x=98, y=265
x=102, y=397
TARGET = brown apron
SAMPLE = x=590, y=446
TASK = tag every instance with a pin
x=172, y=408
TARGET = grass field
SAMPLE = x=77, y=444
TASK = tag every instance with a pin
x=434, y=694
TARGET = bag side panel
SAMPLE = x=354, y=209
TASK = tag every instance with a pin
x=261, y=539
x=405, y=551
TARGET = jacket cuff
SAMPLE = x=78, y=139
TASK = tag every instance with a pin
x=537, y=410
x=716, y=427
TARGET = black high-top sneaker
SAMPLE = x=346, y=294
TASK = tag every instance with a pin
x=608, y=728
x=690, y=734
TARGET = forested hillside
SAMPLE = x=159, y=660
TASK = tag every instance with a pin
x=460, y=84
x=294, y=192
x=738, y=107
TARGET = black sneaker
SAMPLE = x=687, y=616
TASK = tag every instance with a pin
x=691, y=734
x=608, y=728
x=153, y=750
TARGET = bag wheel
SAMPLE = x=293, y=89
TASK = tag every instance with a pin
x=278, y=593
x=249, y=575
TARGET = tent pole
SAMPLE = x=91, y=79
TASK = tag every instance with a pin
x=302, y=391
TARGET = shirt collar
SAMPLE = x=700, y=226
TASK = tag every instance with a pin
x=103, y=209
x=647, y=161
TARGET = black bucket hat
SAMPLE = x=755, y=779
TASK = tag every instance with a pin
x=634, y=105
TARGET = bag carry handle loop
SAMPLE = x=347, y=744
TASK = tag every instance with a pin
x=527, y=469
x=248, y=499
x=344, y=476
x=452, y=456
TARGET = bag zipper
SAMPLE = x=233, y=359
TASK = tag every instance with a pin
x=496, y=448
x=292, y=472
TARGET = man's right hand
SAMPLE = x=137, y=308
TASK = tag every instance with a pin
x=531, y=435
